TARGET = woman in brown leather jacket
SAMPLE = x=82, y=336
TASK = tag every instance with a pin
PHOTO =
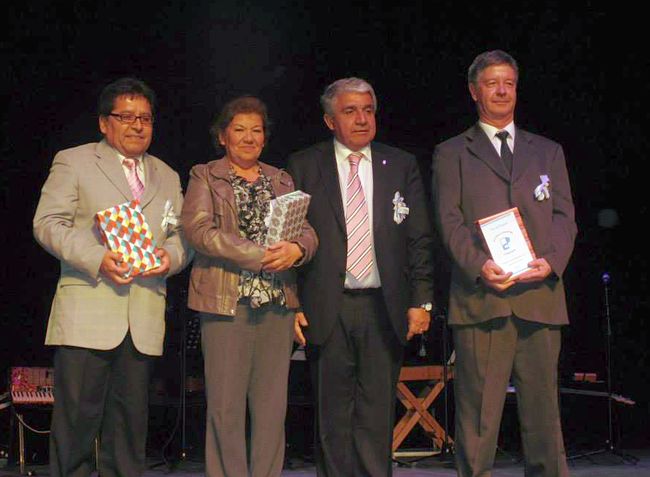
x=245, y=293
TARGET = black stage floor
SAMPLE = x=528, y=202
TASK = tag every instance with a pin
x=600, y=465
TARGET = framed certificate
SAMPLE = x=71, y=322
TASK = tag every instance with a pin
x=507, y=240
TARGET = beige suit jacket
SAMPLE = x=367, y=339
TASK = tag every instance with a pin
x=88, y=310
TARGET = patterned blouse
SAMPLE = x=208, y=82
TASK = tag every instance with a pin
x=253, y=203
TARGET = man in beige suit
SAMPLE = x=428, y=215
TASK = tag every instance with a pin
x=503, y=326
x=107, y=327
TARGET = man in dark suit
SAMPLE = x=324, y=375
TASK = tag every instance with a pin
x=369, y=287
x=107, y=327
x=504, y=325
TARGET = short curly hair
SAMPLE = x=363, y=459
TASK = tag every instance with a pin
x=240, y=105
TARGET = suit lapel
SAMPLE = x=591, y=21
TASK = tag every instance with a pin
x=108, y=163
x=480, y=146
x=151, y=180
x=380, y=185
x=330, y=176
x=523, y=154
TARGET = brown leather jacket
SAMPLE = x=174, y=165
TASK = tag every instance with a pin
x=210, y=223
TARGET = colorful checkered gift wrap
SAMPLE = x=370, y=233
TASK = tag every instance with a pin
x=126, y=232
x=286, y=216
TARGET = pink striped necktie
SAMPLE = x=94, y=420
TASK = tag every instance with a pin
x=360, y=259
x=136, y=185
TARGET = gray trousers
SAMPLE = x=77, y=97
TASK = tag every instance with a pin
x=246, y=360
x=487, y=355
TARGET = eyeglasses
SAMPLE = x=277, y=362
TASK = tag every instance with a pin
x=130, y=118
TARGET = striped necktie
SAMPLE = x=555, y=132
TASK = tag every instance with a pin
x=136, y=185
x=360, y=259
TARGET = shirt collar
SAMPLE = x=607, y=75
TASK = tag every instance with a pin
x=491, y=131
x=121, y=156
x=342, y=152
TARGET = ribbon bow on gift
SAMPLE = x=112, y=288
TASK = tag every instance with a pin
x=542, y=191
x=400, y=210
x=169, y=217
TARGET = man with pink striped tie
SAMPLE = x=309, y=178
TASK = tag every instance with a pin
x=106, y=327
x=369, y=287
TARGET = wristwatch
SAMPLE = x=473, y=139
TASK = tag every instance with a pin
x=427, y=306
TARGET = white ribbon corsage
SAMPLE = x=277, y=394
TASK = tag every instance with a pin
x=168, y=216
x=542, y=191
x=400, y=210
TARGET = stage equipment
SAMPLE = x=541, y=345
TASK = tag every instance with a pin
x=418, y=403
x=190, y=340
x=611, y=446
x=32, y=388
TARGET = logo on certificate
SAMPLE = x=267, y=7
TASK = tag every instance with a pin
x=505, y=241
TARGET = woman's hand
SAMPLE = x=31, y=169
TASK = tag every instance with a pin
x=280, y=256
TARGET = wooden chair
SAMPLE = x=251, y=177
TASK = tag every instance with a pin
x=417, y=406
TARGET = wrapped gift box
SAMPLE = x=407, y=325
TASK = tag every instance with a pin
x=125, y=231
x=286, y=216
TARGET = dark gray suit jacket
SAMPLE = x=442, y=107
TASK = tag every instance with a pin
x=403, y=250
x=470, y=182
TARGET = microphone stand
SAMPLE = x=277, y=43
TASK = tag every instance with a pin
x=183, y=390
x=187, y=340
x=610, y=446
x=446, y=451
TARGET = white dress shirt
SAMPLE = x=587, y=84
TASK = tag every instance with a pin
x=371, y=280
x=491, y=132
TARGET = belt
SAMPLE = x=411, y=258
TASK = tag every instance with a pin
x=362, y=291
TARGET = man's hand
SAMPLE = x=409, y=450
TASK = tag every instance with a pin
x=165, y=263
x=113, y=268
x=494, y=276
x=419, y=320
x=300, y=322
x=540, y=269
x=280, y=256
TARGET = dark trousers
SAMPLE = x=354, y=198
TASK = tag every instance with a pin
x=105, y=394
x=487, y=355
x=354, y=375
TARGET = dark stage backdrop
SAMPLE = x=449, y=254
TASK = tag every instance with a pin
x=581, y=84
